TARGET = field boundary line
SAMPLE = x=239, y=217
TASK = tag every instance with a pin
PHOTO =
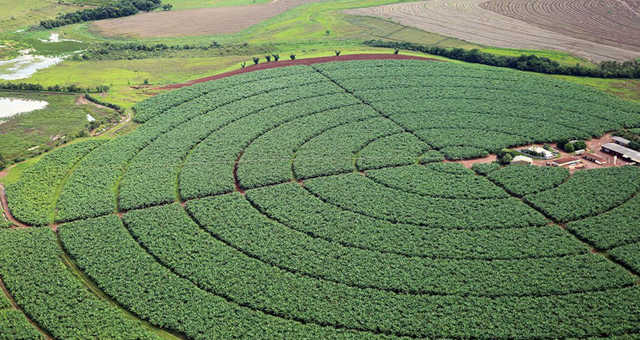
x=17, y=307
x=563, y=226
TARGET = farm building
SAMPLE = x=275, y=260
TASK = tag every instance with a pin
x=620, y=140
x=594, y=158
x=566, y=161
x=524, y=160
x=623, y=152
x=546, y=154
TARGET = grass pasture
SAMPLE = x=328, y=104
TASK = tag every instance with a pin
x=42, y=129
x=290, y=203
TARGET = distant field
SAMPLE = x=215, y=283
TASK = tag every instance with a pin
x=190, y=4
x=37, y=130
x=468, y=20
x=18, y=14
x=204, y=21
x=612, y=23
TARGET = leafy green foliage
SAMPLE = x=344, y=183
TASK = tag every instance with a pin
x=433, y=182
x=527, y=179
x=129, y=274
x=32, y=199
x=31, y=268
x=296, y=208
x=15, y=326
x=588, y=193
x=629, y=255
x=485, y=168
x=615, y=227
x=356, y=193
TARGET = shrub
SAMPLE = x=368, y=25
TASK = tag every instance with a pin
x=276, y=57
x=268, y=58
x=292, y=57
x=256, y=60
x=337, y=53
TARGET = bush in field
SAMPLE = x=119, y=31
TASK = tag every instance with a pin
x=292, y=57
x=256, y=60
x=276, y=57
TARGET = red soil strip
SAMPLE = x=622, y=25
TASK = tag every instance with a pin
x=307, y=61
x=468, y=163
x=7, y=213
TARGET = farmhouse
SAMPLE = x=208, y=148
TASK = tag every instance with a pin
x=524, y=160
x=620, y=140
x=536, y=150
x=621, y=151
x=566, y=161
x=594, y=158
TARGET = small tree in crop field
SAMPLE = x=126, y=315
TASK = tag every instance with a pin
x=243, y=65
x=292, y=57
x=268, y=57
x=256, y=60
x=338, y=53
x=396, y=51
x=276, y=57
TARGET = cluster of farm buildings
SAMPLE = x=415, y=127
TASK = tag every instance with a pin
x=618, y=147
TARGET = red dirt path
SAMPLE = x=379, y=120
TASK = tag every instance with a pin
x=307, y=61
x=7, y=213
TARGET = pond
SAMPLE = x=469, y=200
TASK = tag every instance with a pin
x=12, y=106
x=25, y=65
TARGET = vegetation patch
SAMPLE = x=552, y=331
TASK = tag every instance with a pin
x=312, y=201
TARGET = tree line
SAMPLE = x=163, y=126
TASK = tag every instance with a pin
x=55, y=88
x=533, y=63
x=118, y=9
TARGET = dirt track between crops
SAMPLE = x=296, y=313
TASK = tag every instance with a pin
x=581, y=27
x=7, y=212
x=191, y=22
x=307, y=61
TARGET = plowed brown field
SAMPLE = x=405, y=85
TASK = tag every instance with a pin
x=469, y=20
x=612, y=22
x=202, y=21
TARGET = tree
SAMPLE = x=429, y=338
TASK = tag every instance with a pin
x=292, y=57
x=256, y=60
x=167, y=7
x=3, y=163
x=276, y=57
x=569, y=147
x=268, y=58
x=506, y=159
x=337, y=53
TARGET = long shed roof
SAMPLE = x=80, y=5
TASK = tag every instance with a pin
x=632, y=154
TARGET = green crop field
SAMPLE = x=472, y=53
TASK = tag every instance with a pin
x=322, y=201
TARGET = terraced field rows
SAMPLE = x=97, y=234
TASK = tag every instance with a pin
x=613, y=23
x=602, y=30
x=312, y=202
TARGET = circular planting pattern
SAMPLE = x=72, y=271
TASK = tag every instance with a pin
x=315, y=202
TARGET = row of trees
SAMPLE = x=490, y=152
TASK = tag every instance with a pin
x=607, y=69
x=118, y=9
x=55, y=88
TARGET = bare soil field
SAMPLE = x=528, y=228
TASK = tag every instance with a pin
x=469, y=20
x=613, y=23
x=201, y=21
